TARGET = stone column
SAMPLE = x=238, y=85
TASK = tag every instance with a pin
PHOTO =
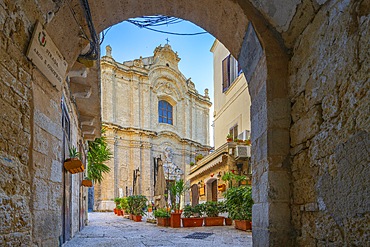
x=266, y=73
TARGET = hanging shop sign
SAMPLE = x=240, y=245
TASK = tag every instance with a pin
x=45, y=55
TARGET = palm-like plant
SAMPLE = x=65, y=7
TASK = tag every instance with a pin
x=98, y=154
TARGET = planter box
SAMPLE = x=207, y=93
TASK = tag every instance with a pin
x=214, y=221
x=192, y=222
x=175, y=220
x=137, y=218
x=243, y=225
x=74, y=165
x=161, y=221
x=87, y=183
x=228, y=221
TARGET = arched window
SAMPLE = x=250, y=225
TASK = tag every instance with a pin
x=165, y=112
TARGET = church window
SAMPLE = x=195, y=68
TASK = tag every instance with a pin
x=165, y=112
x=230, y=71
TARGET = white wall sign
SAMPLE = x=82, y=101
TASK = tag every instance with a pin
x=46, y=56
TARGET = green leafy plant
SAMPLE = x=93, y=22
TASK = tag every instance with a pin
x=123, y=203
x=229, y=136
x=73, y=152
x=213, y=209
x=239, y=202
x=177, y=189
x=161, y=213
x=188, y=211
x=198, y=157
x=117, y=200
x=98, y=154
x=192, y=163
x=228, y=177
x=198, y=210
x=136, y=204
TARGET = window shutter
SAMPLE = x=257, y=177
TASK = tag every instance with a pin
x=225, y=73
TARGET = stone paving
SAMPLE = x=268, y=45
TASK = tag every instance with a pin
x=106, y=229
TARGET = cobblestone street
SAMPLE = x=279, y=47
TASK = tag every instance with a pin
x=106, y=229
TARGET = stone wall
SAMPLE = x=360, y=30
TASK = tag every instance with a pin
x=31, y=146
x=329, y=90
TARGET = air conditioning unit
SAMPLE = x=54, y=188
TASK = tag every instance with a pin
x=242, y=152
x=244, y=135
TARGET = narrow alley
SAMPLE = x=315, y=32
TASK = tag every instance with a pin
x=106, y=229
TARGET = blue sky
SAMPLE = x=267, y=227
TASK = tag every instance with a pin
x=129, y=42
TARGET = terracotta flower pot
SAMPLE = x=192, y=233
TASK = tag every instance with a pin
x=175, y=220
x=115, y=210
x=228, y=221
x=243, y=225
x=137, y=218
x=192, y=222
x=163, y=221
x=214, y=221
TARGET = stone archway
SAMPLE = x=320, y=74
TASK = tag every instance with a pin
x=262, y=54
x=230, y=22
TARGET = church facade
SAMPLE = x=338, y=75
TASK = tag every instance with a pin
x=150, y=110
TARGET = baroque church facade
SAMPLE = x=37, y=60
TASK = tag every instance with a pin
x=150, y=111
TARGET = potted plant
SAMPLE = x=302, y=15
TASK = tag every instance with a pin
x=212, y=210
x=198, y=157
x=192, y=163
x=138, y=207
x=163, y=216
x=192, y=217
x=229, y=138
x=228, y=220
x=116, y=201
x=119, y=211
x=177, y=190
x=73, y=164
x=239, y=205
x=124, y=205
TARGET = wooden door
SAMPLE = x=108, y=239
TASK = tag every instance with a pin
x=214, y=191
x=194, y=195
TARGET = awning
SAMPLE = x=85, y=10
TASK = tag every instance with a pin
x=209, y=165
